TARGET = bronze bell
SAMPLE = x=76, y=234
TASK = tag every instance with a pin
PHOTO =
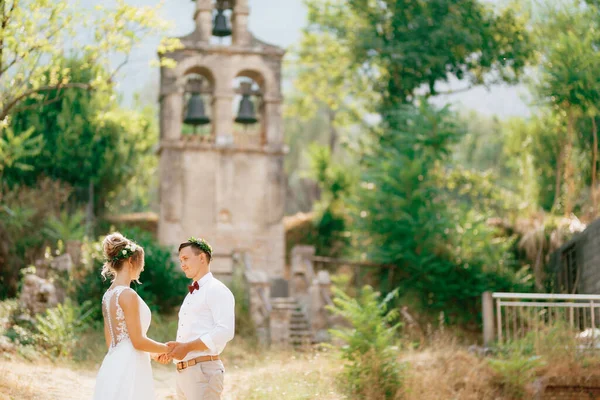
x=246, y=113
x=195, y=114
x=221, y=27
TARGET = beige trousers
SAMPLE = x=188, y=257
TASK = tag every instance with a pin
x=203, y=381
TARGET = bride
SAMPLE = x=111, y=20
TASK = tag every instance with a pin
x=126, y=373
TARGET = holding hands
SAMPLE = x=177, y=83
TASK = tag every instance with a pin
x=162, y=358
x=177, y=351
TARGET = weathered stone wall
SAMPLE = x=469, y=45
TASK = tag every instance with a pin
x=232, y=200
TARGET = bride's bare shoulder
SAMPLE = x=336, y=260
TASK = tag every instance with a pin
x=128, y=297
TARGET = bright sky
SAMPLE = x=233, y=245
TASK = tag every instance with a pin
x=280, y=22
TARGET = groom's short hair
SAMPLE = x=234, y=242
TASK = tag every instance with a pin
x=195, y=248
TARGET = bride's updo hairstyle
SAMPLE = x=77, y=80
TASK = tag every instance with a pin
x=117, y=249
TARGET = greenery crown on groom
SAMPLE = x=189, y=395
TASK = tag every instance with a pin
x=202, y=245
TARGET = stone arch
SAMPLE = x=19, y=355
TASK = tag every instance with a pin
x=261, y=74
x=203, y=71
x=195, y=69
x=201, y=65
x=254, y=75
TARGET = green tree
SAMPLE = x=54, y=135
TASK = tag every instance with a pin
x=335, y=183
x=24, y=213
x=302, y=192
x=35, y=34
x=482, y=146
x=401, y=46
x=533, y=149
x=139, y=192
x=14, y=148
x=327, y=83
x=89, y=142
x=436, y=236
x=567, y=39
x=384, y=55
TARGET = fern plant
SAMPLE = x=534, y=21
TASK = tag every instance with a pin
x=372, y=370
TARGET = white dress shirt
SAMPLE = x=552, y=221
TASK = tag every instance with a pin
x=207, y=314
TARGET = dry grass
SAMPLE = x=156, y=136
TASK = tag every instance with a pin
x=448, y=372
x=442, y=370
x=252, y=371
x=286, y=376
x=43, y=380
x=559, y=350
x=445, y=370
x=251, y=374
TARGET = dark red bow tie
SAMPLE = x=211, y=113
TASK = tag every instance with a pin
x=193, y=287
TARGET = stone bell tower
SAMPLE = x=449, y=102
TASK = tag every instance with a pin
x=221, y=140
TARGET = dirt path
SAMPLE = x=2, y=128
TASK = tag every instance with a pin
x=21, y=380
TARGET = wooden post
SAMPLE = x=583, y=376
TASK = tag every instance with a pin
x=488, y=318
x=571, y=317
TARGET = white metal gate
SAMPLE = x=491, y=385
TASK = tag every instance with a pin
x=517, y=314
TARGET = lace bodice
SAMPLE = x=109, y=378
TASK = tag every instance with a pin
x=115, y=318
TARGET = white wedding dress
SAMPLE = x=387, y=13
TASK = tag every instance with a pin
x=126, y=373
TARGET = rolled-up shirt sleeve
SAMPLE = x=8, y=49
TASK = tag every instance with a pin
x=221, y=302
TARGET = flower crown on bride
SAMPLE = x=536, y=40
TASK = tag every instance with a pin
x=202, y=245
x=127, y=252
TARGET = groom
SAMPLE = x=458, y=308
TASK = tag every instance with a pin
x=206, y=324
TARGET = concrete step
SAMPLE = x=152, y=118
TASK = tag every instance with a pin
x=302, y=326
x=302, y=343
x=298, y=314
x=299, y=322
x=300, y=333
x=302, y=340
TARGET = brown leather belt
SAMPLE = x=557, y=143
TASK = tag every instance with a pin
x=190, y=363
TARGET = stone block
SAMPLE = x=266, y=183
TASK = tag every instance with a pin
x=280, y=288
x=62, y=263
x=38, y=294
